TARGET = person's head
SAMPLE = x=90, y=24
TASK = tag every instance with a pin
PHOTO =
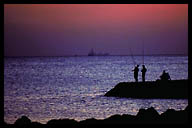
x=163, y=71
x=137, y=65
x=143, y=66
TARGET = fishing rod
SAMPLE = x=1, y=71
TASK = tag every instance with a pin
x=143, y=51
x=132, y=57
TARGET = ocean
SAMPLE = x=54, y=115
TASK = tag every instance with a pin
x=45, y=88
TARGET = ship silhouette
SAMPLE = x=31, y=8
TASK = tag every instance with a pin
x=92, y=53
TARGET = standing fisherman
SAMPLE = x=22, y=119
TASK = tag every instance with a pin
x=144, y=70
x=136, y=70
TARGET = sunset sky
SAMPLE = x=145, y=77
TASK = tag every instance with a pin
x=73, y=29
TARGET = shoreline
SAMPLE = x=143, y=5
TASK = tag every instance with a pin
x=144, y=116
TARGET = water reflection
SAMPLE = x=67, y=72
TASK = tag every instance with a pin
x=53, y=88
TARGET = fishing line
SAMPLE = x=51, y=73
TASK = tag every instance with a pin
x=132, y=57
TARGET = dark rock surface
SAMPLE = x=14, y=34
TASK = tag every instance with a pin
x=173, y=89
x=23, y=120
x=148, y=116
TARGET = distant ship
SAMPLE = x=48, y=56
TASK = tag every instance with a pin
x=92, y=53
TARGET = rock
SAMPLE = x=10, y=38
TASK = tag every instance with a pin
x=118, y=119
x=90, y=121
x=23, y=121
x=144, y=116
x=173, y=89
x=61, y=121
x=149, y=115
x=172, y=116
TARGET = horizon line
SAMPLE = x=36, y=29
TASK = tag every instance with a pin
x=75, y=55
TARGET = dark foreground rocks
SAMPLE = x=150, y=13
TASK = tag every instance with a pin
x=173, y=89
x=148, y=116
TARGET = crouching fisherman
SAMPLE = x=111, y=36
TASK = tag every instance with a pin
x=165, y=76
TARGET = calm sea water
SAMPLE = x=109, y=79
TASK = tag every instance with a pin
x=45, y=88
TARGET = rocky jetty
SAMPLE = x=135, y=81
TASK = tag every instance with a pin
x=144, y=116
x=172, y=89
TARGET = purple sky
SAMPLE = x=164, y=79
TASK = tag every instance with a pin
x=59, y=30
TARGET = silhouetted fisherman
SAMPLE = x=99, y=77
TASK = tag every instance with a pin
x=136, y=70
x=144, y=70
x=165, y=76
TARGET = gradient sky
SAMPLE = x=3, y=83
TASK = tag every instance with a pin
x=73, y=29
